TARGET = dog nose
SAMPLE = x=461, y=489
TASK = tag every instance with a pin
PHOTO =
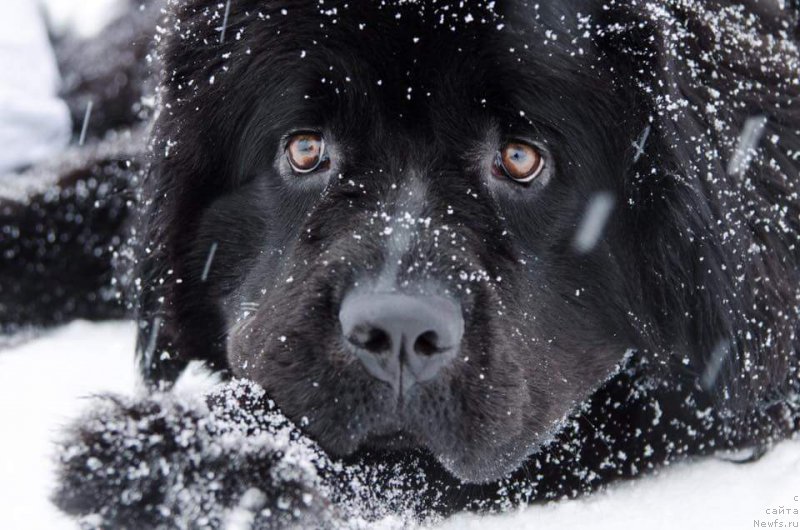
x=402, y=339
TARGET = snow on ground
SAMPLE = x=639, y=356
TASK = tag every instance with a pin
x=44, y=383
x=84, y=17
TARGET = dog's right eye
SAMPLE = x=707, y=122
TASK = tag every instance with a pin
x=306, y=152
x=519, y=161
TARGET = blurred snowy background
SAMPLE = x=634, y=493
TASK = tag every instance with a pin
x=44, y=381
x=84, y=17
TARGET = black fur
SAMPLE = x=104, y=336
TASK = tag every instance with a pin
x=697, y=271
x=172, y=461
x=61, y=231
x=674, y=277
x=163, y=462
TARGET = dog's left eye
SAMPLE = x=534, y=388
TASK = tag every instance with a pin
x=306, y=152
x=519, y=161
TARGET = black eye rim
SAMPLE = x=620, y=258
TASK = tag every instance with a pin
x=323, y=160
x=535, y=174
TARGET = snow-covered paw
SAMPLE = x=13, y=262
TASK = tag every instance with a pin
x=227, y=459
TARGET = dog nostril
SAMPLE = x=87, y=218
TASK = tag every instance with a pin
x=372, y=339
x=379, y=341
x=427, y=344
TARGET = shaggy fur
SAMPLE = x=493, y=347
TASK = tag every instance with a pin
x=221, y=459
x=694, y=260
x=199, y=460
x=244, y=266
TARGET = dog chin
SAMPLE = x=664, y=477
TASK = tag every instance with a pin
x=482, y=470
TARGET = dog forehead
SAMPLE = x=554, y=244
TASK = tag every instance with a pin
x=388, y=29
x=430, y=69
x=412, y=50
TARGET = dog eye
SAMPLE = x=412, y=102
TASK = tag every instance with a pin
x=520, y=162
x=306, y=152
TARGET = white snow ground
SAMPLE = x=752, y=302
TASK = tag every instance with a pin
x=44, y=382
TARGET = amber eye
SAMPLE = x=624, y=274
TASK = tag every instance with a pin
x=520, y=162
x=306, y=152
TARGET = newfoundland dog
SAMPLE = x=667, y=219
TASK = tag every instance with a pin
x=534, y=245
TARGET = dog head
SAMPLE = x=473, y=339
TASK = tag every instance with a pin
x=412, y=223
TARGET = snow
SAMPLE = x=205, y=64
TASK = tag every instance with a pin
x=749, y=138
x=44, y=383
x=34, y=123
x=84, y=17
x=594, y=221
x=85, y=125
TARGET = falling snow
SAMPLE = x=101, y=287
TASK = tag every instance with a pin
x=591, y=228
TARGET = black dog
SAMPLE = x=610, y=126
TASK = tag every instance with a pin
x=437, y=228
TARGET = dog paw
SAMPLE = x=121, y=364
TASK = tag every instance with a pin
x=228, y=458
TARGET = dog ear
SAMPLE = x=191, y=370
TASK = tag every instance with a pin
x=712, y=183
x=176, y=323
x=156, y=355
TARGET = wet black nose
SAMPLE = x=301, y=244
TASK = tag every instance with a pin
x=402, y=339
